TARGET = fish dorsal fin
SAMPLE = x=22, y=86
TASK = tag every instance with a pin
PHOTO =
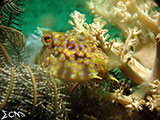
x=44, y=31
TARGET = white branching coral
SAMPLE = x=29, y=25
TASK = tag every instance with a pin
x=93, y=31
x=78, y=22
x=140, y=29
x=154, y=98
x=128, y=15
x=131, y=40
x=124, y=13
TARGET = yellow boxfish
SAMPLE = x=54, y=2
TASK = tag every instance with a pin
x=71, y=56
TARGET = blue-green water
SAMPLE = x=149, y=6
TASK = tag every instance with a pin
x=52, y=14
x=55, y=14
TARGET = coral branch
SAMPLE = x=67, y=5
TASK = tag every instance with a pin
x=156, y=67
x=5, y=53
x=9, y=89
x=135, y=71
x=135, y=101
x=130, y=102
x=34, y=87
x=55, y=90
x=144, y=18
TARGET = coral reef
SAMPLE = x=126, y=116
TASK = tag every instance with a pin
x=137, y=57
x=42, y=93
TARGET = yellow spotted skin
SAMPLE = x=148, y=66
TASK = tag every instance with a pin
x=71, y=57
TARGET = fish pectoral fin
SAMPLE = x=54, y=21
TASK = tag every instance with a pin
x=93, y=76
x=111, y=77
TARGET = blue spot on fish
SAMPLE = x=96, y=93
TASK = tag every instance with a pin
x=83, y=48
x=89, y=68
x=76, y=46
x=80, y=36
x=65, y=44
x=55, y=41
x=89, y=52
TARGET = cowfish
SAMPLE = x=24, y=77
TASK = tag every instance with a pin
x=71, y=56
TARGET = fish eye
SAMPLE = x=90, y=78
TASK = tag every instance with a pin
x=46, y=39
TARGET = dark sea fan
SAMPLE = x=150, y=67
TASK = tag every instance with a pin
x=11, y=20
x=12, y=13
x=29, y=89
x=14, y=42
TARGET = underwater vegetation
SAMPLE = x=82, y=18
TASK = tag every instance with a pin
x=82, y=73
x=140, y=26
x=25, y=88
